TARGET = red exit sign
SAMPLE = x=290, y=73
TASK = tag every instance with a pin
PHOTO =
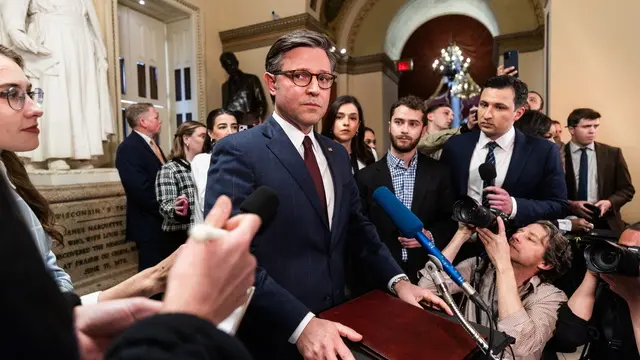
x=404, y=65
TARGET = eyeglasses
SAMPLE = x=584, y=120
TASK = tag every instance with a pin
x=303, y=78
x=16, y=97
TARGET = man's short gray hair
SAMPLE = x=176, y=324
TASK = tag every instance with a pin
x=134, y=111
x=296, y=39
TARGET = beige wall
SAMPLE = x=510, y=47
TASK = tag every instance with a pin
x=531, y=70
x=376, y=93
x=238, y=13
x=373, y=29
x=593, y=63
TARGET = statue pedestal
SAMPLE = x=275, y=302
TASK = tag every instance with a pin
x=73, y=177
x=90, y=208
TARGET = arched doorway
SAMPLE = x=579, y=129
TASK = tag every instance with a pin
x=424, y=45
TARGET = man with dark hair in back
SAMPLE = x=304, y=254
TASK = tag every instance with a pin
x=422, y=184
x=596, y=173
x=529, y=183
x=535, y=101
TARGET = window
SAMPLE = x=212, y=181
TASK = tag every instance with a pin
x=123, y=77
x=179, y=119
x=153, y=82
x=187, y=83
x=142, y=80
x=189, y=117
x=178, y=86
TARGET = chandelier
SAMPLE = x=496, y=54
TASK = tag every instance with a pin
x=455, y=67
x=464, y=87
x=451, y=61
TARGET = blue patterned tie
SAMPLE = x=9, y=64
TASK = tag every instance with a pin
x=583, y=179
x=490, y=159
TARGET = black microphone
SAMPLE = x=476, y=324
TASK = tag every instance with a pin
x=263, y=202
x=488, y=173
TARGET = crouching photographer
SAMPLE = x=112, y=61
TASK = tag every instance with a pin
x=604, y=312
x=514, y=278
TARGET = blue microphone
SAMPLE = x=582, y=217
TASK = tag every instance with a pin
x=410, y=226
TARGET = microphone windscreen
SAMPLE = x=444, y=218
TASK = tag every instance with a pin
x=487, y=172
x=263, y=202
x=403, y=218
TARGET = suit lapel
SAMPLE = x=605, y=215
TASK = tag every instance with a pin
x=327, y=149
x=421, y=183
x=143, y=143
x=601, y=161
x=282, y=147
x=466, y=152
x=521, y=150
x=570, y=177
x=383, y=176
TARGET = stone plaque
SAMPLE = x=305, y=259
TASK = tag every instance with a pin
x=92, y=218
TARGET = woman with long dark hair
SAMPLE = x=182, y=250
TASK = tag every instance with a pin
x=220, y=123
x=175, y=189
x=344, y=123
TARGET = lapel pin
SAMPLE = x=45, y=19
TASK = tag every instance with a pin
x=330, y=149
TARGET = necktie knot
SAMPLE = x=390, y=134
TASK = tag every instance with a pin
x=584, y=150
x=307, y=143
x=492, y=145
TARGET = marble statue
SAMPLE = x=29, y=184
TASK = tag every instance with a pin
x=242, y=92
x=66, y=57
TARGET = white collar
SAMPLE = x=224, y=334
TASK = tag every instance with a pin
x=504, y=142
x=295, y=135
x=145, y=137
x=575, y=147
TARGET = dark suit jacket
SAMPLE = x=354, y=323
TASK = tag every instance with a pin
x=534, y=177
x=432, y=203
x=138, y=167
x=300, y=260
x=614, y=181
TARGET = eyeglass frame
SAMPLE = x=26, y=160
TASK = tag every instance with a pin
x=23, y=97
x=290, y=73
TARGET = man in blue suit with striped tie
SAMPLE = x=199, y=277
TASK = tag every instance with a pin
x=301, y=253
x=529, y=181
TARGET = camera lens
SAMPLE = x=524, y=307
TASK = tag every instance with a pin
x=468, y=211
x=605, y=260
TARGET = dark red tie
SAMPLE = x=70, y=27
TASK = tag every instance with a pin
x=314, y=170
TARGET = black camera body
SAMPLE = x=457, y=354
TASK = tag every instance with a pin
x=468, y=211
x=609, y=257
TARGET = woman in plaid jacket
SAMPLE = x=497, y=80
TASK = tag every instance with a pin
x=175, y=189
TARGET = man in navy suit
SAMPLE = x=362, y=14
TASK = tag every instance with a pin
x=529, y=185
x=138, y=160
x=301, y=253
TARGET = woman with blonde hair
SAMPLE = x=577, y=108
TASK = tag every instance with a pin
x=175, y=188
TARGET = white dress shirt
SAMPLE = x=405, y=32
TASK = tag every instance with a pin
x=592, y=164
x=503, y=153
x=296, y=136
x=199, y=171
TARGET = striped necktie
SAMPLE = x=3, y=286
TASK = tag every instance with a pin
x=490, y=159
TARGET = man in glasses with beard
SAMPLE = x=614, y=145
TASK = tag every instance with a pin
x=420, y=182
